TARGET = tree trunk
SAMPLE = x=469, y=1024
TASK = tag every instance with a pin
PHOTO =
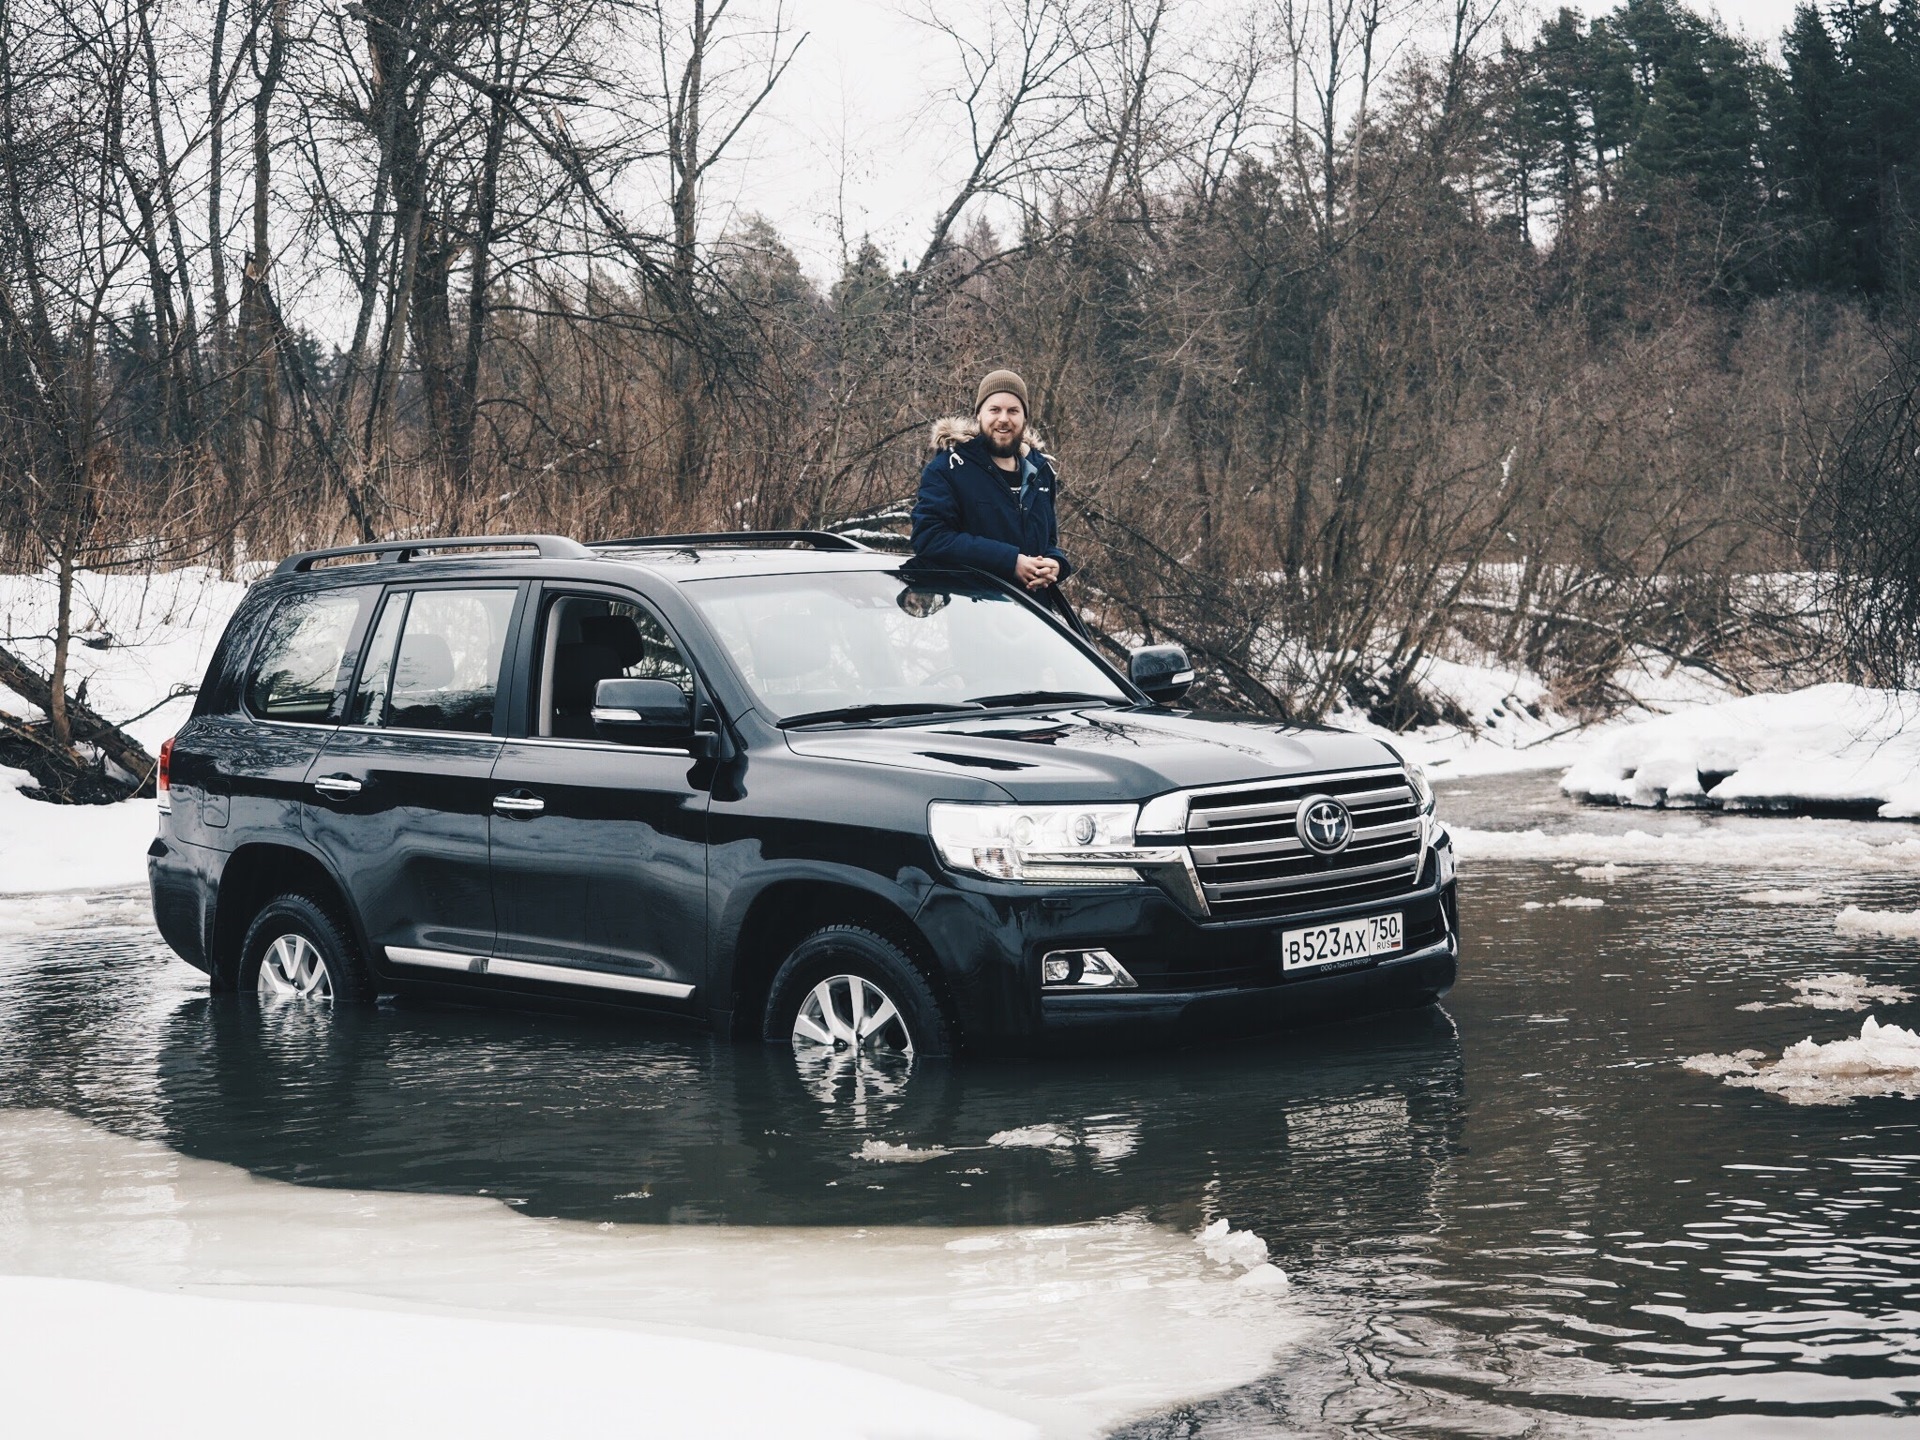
x=87, y=725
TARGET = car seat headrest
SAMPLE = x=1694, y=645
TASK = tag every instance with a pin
x=425, y=663
x=619, y=634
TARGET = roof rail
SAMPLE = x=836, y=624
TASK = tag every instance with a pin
x=548, y=547
x=815, y=539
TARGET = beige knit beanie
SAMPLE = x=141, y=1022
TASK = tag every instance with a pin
x=998, y=382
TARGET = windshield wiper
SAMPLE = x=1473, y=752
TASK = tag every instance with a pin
x=1043, y=697
x=875, y=712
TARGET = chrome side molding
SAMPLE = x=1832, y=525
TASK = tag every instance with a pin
x=537, y=970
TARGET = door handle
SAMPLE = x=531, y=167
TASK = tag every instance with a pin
x=519, y=802
x=337, y=787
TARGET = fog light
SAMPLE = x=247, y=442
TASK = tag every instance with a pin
x=1084, y=970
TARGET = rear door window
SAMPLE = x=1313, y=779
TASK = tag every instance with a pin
x=298, y=664
x=434, y=663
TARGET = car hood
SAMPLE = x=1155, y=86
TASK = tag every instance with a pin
x=1095, y=753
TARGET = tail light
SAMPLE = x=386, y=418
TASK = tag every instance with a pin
x=160, y=782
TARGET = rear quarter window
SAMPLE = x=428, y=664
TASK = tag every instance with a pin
x=301, y=655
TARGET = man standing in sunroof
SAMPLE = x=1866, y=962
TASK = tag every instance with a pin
x=986, y=496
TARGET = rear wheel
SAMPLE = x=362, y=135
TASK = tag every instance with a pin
x=299, y=950
x=856, y=1012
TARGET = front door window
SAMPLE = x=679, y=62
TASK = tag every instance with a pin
x=589, y=639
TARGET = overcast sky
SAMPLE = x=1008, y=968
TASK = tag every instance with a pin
x=855, y=142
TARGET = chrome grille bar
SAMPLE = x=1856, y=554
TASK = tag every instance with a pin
x=1271, y=810
x=1288, y=884
x=1277, y=849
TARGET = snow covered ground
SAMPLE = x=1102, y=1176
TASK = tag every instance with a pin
x=1827, y=744
x=140, y=640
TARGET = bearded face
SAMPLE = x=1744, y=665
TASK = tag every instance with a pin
x=1003, y=424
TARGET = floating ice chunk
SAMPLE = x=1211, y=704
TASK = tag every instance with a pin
x=1580, y=902
x=1784, y=897
x=1532, y=905
x=1264, y=1276
x=1033, y=1137
x=967, y=1244
x=1884, y=1060
x=1741, y=1062
x=884, y=1153
x=1229, y=1246
x=1836, y=992
x=1609, y=872
x=1895, y=924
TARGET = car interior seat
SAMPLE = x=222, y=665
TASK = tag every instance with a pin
x=578, y=669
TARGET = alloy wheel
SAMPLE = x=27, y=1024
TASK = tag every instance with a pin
x=849, y=1013
x=292, y=969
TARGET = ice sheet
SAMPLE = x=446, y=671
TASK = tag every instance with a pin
x=1787, y=845
x=427, y=1372
x=1080, y=1325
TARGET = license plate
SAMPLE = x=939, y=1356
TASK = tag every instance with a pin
x=1343, y=940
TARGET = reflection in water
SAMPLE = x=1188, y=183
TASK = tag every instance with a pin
x=589, y=1119
x=1538, y=1220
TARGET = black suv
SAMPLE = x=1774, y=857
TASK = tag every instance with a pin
x=799, y=788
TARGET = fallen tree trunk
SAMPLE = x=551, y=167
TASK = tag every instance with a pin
x=89, y=726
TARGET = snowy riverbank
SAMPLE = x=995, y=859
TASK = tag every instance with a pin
x=1686, y=742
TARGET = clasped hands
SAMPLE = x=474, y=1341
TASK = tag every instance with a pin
x=1036, y=572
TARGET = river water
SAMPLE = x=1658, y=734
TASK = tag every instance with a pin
x=1517, y=1214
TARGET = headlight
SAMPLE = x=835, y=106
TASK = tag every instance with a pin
x=1070, y=844
x=1422, y=787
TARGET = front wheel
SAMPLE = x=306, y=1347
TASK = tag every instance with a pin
x=849, y=995
x=298, y=950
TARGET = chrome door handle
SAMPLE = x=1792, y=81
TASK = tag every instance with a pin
x=337, y=787
x=520, y=804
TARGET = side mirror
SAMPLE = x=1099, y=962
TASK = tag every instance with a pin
x=1163, y=671
x=636, y=710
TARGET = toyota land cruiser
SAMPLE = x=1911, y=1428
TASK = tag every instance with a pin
x=777, y=781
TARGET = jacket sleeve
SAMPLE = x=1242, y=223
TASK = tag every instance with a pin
x=936, y=527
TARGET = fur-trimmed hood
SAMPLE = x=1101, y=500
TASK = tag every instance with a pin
x=955, y=430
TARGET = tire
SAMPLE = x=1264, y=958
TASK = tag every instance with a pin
x=844, y=952
x=313, y=933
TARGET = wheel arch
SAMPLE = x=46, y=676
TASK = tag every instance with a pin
x=254, y=874
x=782, y=914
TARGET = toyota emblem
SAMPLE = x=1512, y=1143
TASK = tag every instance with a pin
x=1325, y=825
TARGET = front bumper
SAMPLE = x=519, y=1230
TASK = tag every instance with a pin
x=1196, y=978
x=1396, y=983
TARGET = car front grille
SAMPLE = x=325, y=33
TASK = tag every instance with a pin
x=1250, y=859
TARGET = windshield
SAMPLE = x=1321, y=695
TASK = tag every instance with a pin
x=891, y=643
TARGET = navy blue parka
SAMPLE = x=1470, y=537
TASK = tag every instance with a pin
x=968, y=514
